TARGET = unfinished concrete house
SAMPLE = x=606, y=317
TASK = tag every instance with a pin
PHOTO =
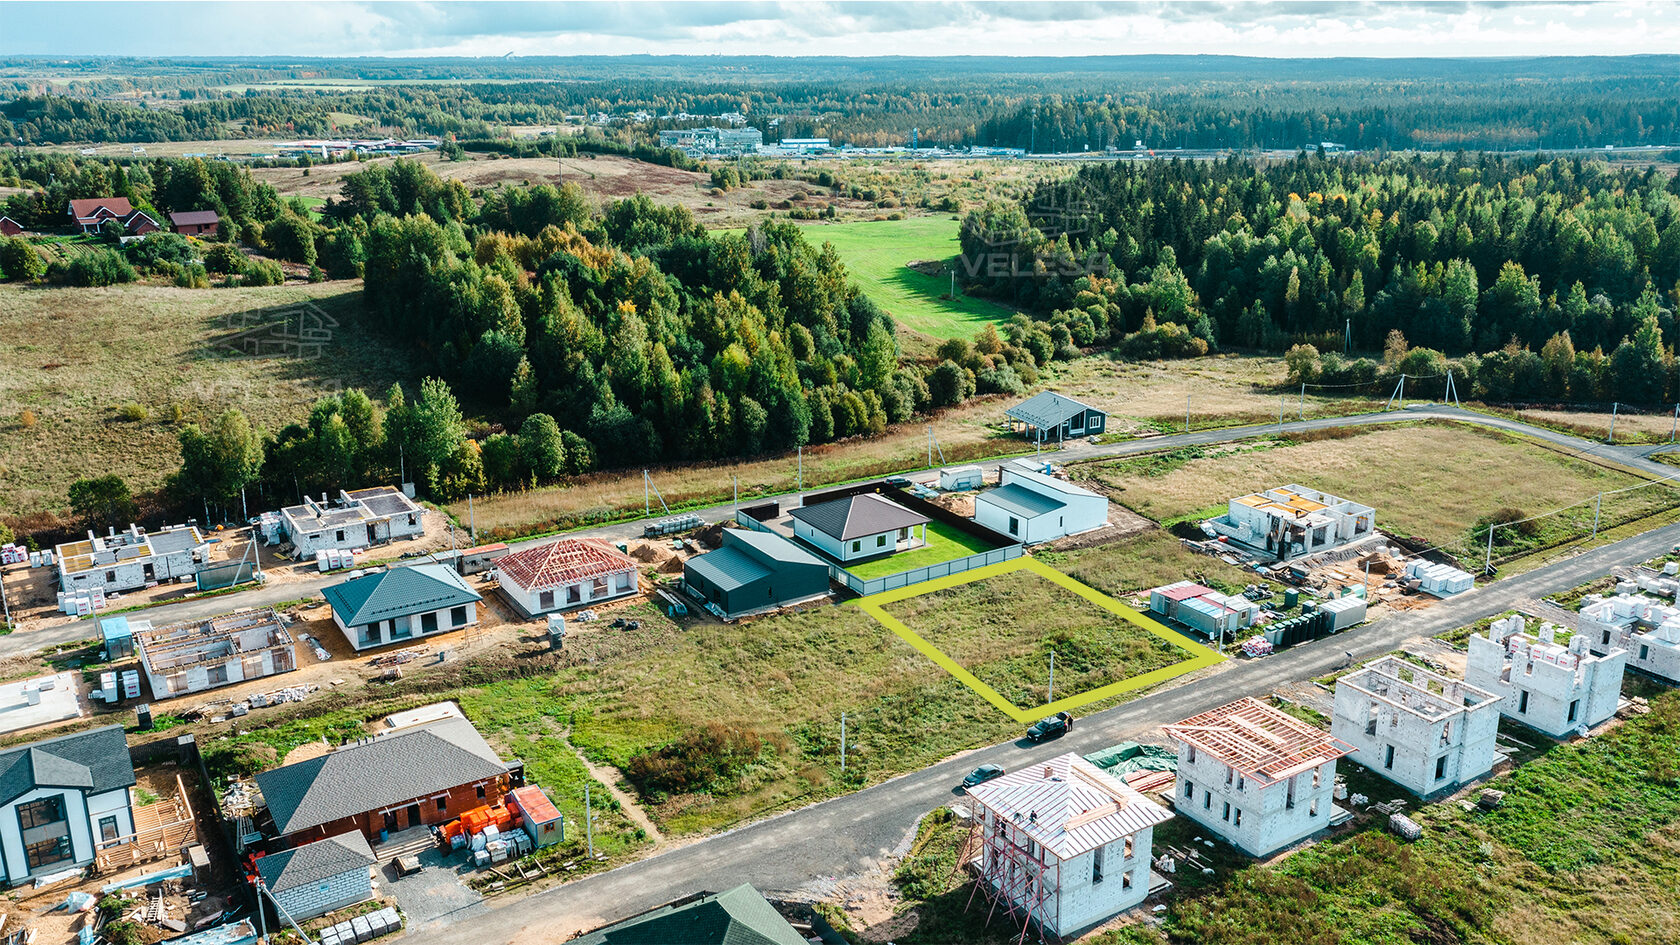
x=1556, y=689
x=132, y=559
x=1648, y=630
x=362, y=518
x=1255, y=775
x=196, y=655
x=1064, y=845
x=1292, y=521
x=1426, y=732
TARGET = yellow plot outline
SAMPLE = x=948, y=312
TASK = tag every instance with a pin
x=1200, y=656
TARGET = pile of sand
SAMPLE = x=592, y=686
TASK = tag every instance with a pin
x=649, y=553
x=671, y=565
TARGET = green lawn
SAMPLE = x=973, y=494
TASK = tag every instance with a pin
x=944, y=543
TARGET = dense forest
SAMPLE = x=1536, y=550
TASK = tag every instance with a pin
x=1476, y=256
x=1047, y=105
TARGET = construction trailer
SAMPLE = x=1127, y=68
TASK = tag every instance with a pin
x=195, y=655
x=537, y=814
x=1292, y=521
x=1424, y=731
x=1560, y=690
x=1256, y=776
x=130, y=560
x=1648, y=630
x=1202, y=608
x=961, y=478
x=1063, y=845
x=362, y=518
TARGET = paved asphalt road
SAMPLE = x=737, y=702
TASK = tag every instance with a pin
x=1635, y=457
x=851, y=834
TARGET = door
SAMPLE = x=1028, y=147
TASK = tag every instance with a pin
x=390, y=821
x=151, y=572
x=414, y=815
x=372, y=538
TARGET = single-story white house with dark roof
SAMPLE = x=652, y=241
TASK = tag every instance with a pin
x=858, y=527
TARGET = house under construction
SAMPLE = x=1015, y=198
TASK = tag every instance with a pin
x=196, y=655
x=1292, y=521
x=1063, y=846
x=1255, y=775
x=1426, y=732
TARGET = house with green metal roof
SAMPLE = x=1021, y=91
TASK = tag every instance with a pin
x=400, y=605
x=740, y=916
x=62, y=800
x=754, y=572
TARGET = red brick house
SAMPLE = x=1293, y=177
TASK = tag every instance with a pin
x=195, y=222
x=9, y=226
x=421, y=775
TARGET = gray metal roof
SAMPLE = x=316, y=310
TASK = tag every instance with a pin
x=95, y=761
x=376, y=773
x=770, y=547
x=1020, y=500
x=398, y=592
x=857, y=516
x=740, y=916
x=727, y=568
x=1047, y=409
x=314, y=862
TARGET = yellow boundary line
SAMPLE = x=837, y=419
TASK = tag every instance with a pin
x=1200, y=656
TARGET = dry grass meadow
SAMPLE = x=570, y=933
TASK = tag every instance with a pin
x=72, y=359
x=1430, y=480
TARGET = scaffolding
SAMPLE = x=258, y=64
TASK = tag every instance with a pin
x=1015, y=872
x=161, y=830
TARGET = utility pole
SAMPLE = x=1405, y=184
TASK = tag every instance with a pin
x=1367, y=578
x=1050, y=695
x=588, y=821
x=1487, y=568
x=1280, y=410
x=801, y=469
x=930, y=446
x=842, y=741
x=647, y=498
x=1301, y=406
x=1614, y=409
x=472, y=520
x=737, y=492
x=1676, y=423
x=1186, y=413
x=1597, y=505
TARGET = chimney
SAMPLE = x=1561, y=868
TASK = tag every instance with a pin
x=1048, y=771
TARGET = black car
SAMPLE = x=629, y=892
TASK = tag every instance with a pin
x=1053, y=727
x=982, y=774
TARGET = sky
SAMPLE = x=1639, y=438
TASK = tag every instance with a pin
x=1287, y=28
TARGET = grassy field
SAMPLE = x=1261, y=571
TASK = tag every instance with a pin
x=1584, y=849
x=72, y=358
x=875, y=253
x=944, y=543
x=1434, y=481
x=1003, y=629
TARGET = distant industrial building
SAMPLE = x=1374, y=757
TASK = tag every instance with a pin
x=1554, y=689
x=1256, y=776
x=712, y=142
x=754, y=572
x=132, y=559
x=1032, y=507
x=1426, y=732
x=1292, y=521
x=1049, y=417
x=802, y=145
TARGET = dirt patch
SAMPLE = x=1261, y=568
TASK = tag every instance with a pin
x=959, y=503
x=1123, y=523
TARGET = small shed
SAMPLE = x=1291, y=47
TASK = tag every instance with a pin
x=1032, y=507
x=320, y=877
x=538, y=815
x=118, y=636
x=753, y=572
x=959, y=478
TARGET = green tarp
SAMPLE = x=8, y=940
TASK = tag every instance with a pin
x=1126, y=757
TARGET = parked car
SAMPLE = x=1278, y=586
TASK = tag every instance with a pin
x=1053, y=727
x=981, y=775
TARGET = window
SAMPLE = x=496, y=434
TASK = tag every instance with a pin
x=428, y=622
x=1189, y=790
x=1230, y=775
x=626, y=580
x=1371, y=722
x=1126, y=880
x=880, y=541
x=1318, y=777
x=904, y=534
x=598, y=588
x=574, y=593
x=1207, y=800
x=1388, y=757
x=1241, y=782
x=1128, y=848
x=1227, y=815
x=1237, y=820
x=340, y=535
x=1014, y=525
x=1289, y=795
x=46, y=834
x=1312, y=809
x=545, y=600
x=1522, y=701
x=1606, y=638
x=1446, y=733
x=107, y=829
x=1440, y=767
x=1644, y=651
x=857, y=546
x=1097, y=865
x=217, y=675
x=457, y=616
x=1574, y=709
x=401, y=628
x=1190, y=756
x=110, y=577
x=442, y=804
x=369, y=635
x=481, y=792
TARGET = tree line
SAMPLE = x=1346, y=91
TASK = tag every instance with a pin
x=1474, y=256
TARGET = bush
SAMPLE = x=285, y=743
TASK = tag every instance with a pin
x=192, y=277
x=223, y=258
x=26, y=419
x=98, y=268
x=263, y=272
x=157, y=251
x=19, y=260
x=700, y=760
x=132, y=412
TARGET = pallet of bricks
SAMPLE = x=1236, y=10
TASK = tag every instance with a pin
x=363, y=928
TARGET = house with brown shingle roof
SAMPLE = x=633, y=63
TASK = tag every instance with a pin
x=194, y=222
x=93, y=213
x=565, y=574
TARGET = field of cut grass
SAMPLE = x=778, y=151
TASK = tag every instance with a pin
x=73, y=358
x=1004, y=628
x=944, y=543
x=875, y=253
x=1433, y=481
